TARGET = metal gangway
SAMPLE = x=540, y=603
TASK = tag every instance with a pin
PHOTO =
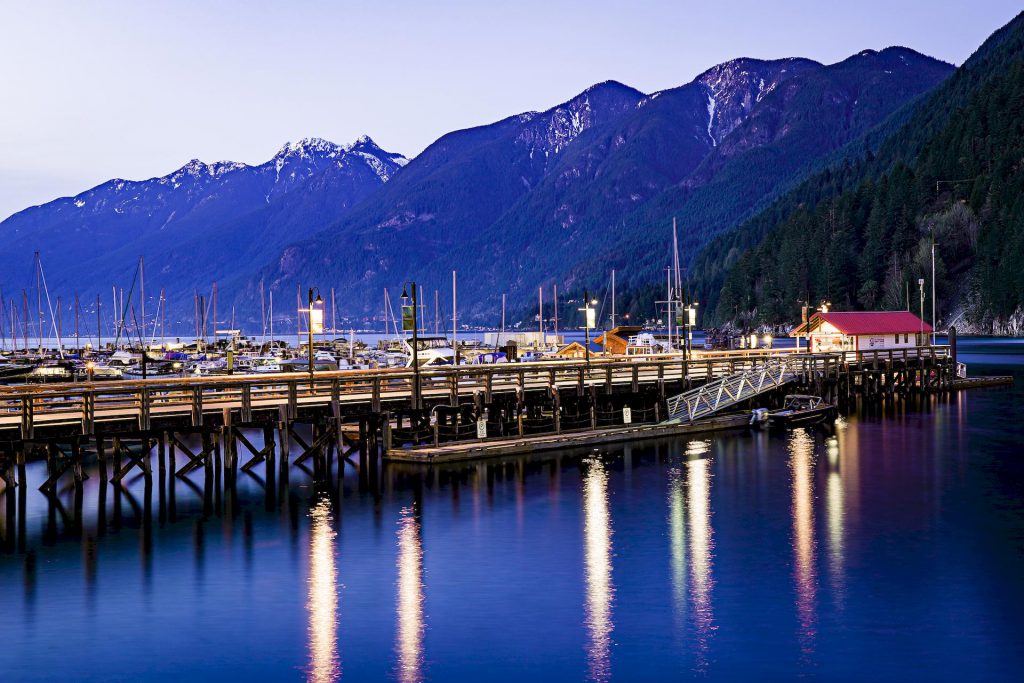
x=728, y=391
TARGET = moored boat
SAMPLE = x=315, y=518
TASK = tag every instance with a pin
x=799, y=410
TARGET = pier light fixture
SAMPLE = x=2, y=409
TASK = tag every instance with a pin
x=316, y=321
x=589, y=320
x=691, y=322
x=410, y=323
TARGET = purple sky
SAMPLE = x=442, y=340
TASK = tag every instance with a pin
x=95, y=90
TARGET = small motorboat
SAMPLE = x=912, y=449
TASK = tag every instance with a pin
x=799, y=410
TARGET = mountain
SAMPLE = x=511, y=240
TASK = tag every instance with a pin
x=565, y=195
x=451, y=193
x=200, y=223
x=540, y=198
x=859, y=233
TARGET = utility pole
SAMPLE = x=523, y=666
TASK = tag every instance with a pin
x=920, y=285
x=934, y=325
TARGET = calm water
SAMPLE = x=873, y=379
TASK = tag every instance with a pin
x=889, y=548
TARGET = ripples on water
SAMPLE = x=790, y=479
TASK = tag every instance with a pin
x=888, y=547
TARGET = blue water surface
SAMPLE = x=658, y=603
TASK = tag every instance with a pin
x=888, y=547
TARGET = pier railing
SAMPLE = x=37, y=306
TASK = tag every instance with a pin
x=25, y=407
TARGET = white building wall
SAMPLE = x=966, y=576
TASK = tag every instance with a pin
x=875, y=342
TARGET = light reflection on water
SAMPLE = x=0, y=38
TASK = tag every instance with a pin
x=834, y=511
x=410, y=597
x=801, y=463
x=597, y=535
x=677, y=543
x=322, y=604
x=698, y=489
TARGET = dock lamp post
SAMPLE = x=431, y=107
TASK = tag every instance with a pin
x=691, y=322
x=589, y=318
x=316, y=321
x=920, y=286
x=409, y=323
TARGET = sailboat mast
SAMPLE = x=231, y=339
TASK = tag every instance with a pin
x=78, y=340
x=263, y=312
x=142, y=296
x=668, y=302
x=271, y=315
x=437, y=313
x=455, y=324
x=215, y=313
x=421, y=317
x=24, y=316
x=555, y=300
x=99, y=325
x=39, y=305
x=675, y=269
x=501, y=337
x=540, y=316
x=334, y=314
x=14, y=325
x=613, y=298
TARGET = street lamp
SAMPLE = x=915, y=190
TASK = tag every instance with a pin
x=588, y=320
x=691, y=322
x=409, y=322
x=316, y=321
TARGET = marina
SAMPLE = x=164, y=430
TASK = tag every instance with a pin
x=442, y=343
x=607, y=532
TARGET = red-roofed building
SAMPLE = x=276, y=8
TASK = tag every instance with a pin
x=863, y=330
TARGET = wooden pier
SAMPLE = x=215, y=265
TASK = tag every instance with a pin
x=368, y=413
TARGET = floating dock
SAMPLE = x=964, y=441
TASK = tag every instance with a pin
x=979, y=382
x=491, y=448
